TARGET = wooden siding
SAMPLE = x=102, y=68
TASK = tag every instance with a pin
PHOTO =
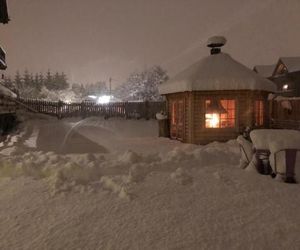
x=195, y=131
x=177, y=97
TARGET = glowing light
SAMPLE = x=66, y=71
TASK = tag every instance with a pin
x=103, y=99
x=285, y=86
x=92, y=96
x=212, y=120
x=68, y=101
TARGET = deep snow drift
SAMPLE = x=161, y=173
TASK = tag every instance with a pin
x=112, y=184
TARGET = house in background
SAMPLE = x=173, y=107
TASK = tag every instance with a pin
x=4, y=18
x=7, y=104
x=285, y=74
x=3, y=65
x=216, y=98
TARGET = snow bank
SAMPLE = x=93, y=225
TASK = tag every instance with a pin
x=182, y=176
x=6, y=92
x=246, y=151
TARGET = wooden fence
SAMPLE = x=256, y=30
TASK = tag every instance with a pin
x=285, y=114
x=128, y=110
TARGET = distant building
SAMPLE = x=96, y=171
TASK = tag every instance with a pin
x=285, y=74
x=2, y=59
x=216, y=98
x=3, y=12
x=3, y=19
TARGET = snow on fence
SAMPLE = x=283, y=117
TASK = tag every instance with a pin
x=285, y=113
x=129, y=110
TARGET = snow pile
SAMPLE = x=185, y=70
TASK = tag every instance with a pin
x=161, y=116
x=246, y=151
x=216, y=72
x=182, y=176
x=213, y=152
x=114, y=172
x=6, y=92
x=62, y=171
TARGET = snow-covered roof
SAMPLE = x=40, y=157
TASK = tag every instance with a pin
x=292, y=63
x=265, y=70
x=216, y=72
x=6, y=92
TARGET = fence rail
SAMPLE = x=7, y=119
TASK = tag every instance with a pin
x=129, y=110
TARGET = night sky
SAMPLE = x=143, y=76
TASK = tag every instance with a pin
x=92, y=40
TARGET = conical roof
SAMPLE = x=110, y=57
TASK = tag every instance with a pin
x=216, y=72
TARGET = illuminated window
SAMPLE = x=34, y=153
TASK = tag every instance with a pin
x=282, y=69
x=259, y=113
x=220, y=114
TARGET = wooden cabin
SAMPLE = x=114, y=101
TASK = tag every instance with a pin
x=216, y=98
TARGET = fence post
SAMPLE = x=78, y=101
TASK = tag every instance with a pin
x=126, y=110
x=146, y=110
x=82, y=109
x=59, y=106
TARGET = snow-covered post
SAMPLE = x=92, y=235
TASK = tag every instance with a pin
x=163, y=124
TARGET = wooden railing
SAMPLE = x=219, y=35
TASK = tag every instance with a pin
x=129, y=110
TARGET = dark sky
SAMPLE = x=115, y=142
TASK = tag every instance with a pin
x=94, y=39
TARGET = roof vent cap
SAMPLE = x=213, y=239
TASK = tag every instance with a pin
x=215, y=43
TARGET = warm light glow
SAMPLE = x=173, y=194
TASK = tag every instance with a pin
x=103, y=99
x=285, y=86
x=212, y=120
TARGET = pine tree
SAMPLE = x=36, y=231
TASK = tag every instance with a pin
x=41, y=80
x=48, y=82
x=8, y=82
x=18, y=82
x=64, y=81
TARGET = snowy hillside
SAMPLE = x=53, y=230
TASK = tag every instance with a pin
x=112, y=184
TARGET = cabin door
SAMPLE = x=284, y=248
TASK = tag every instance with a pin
x=177, y=119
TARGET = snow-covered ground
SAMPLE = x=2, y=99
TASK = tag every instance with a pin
x=113, y=184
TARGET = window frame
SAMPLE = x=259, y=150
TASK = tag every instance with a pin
x=233, y=119
x=259, y=111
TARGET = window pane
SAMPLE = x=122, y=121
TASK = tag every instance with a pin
x=221, y=120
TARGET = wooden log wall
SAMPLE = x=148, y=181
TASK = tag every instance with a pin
x=129, y=110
